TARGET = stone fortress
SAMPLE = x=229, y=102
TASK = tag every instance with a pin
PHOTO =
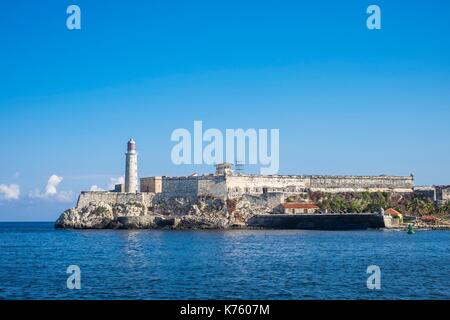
x=224, y=183
x=233, y=197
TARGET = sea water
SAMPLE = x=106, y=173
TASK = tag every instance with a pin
x=236, y=264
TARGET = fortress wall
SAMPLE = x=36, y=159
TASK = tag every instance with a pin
x=443, y=193
x=426, y=192
x=255, y=185
x=362, y=183
x=180, y=186
x=232, y=186
x=214, y=186
x=194, y=186
x=360, y=189
x=112, y=198
x=440, y=194
x=151, y=184
x=446, y=194
x=238, y=185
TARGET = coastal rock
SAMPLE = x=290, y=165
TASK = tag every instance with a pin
x=243, y=208
x=133, y=222
x=90, y=217
x=98, y=215
x=163, y=213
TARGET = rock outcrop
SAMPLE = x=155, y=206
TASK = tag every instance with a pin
x=99, y=215
x=162, y=212
x=158, y=211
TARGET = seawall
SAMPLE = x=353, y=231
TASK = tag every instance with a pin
x=360, y=221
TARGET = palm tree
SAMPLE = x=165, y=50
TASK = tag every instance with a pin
x=445, y=208
x=421, y=207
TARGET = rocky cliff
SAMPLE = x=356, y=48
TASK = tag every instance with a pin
x=162, y=212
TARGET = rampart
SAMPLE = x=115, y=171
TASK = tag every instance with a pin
x=443, y=193
x=248, y=184
x=362, y=183
x=209, y=185
x=232, y=186
x=112, y=198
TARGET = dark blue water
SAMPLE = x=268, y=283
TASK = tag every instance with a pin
x=221, y=264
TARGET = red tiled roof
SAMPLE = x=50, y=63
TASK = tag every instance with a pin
x=392, y=212
x=292, y=205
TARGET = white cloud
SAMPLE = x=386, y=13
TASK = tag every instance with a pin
x=114, y=181
x=10, y=192
x=51, y=191
x=96, y=188
x=52, y=184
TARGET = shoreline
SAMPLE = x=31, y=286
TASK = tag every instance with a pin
x=422, y=227
x=236, y=227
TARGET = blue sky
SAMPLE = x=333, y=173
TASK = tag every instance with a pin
x=347, y=100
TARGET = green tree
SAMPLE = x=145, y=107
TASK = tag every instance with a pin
x=445, y=208
x=421, y=207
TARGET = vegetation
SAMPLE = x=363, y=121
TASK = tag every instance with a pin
x=421, y=207
x=359, y=202
x=445, y=209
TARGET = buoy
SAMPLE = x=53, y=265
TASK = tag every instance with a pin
x=411, y=229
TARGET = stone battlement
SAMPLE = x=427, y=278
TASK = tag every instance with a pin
x=234, y=185
x=112, y=198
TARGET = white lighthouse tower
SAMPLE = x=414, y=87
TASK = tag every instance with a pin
x=131, y=178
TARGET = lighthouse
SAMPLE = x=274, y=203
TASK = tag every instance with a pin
x=131, y=178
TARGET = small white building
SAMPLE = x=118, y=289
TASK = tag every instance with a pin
x=299, y=208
